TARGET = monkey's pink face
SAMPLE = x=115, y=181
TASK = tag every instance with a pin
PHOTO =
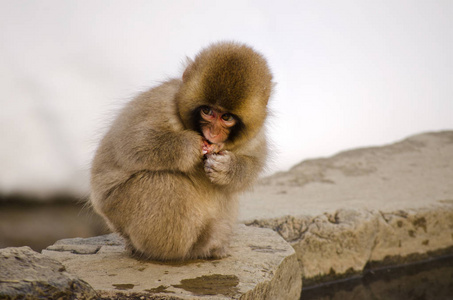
x=216, y=124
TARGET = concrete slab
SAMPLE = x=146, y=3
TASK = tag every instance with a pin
x=361, y=207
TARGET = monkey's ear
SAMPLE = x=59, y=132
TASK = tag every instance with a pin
x=188, y=69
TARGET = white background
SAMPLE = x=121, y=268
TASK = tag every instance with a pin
x=349, y=74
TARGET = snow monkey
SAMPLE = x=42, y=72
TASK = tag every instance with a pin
x=167, y=174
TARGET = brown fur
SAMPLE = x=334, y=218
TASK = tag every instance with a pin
x=150, y=180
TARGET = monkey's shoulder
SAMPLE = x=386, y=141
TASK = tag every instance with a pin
x=156, y=107
x=157, y=98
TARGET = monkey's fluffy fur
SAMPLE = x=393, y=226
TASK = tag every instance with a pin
x=149, y=178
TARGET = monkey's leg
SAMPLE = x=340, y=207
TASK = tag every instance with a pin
x=161, y=213
x=215, y=236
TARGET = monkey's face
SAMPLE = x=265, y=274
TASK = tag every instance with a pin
x=235, y=83
x=216, y=124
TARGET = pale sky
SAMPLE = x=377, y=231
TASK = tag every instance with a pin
x=349, y=74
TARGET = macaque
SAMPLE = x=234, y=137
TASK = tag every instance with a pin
x=167, y=174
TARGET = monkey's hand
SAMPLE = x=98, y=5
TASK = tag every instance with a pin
x=218, y=167
x=208, y=148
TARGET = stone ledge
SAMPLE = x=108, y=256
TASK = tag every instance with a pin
x=261, y=266
x=363, y=207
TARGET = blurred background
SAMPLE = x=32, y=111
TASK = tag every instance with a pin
x=349, y=73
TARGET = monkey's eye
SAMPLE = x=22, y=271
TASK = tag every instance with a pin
x=227, y=117
x=207, y=111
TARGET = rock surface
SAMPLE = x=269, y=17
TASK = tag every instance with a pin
x=374, y=205
x=26, y=274
x=261, y=266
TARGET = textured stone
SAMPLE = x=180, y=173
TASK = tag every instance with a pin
x=261, y=266
x=364, y=207
x=26, y=274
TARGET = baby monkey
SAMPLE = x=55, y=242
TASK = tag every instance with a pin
x=167, y=174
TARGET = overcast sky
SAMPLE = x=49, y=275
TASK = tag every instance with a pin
x=349, y=73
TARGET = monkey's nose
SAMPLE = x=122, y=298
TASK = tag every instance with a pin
x=214, y=132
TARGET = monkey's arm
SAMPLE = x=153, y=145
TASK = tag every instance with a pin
x=151, y=149
x=237, y=170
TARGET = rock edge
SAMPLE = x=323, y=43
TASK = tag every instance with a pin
x=26, y=274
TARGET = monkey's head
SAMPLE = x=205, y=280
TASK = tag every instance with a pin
x=225, y=92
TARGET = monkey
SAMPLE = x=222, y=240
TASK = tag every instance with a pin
x=167, y=174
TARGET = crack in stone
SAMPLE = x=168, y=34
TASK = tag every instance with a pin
x=82, y=250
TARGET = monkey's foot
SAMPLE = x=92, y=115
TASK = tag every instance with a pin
x=220, y=252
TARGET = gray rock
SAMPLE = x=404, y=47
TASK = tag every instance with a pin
x=26, y=274
x=88, y=245
x=261, y=266
x=362, y=208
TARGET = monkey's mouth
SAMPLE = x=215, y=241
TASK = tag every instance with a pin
x=206, y=141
